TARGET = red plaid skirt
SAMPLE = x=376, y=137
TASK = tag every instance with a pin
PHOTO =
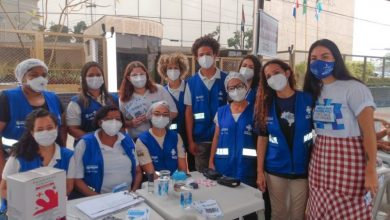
x=336, y=179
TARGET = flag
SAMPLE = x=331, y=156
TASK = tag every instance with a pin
x=296, y=5
x=304, y=7
x=318, y=9
x=243, y=20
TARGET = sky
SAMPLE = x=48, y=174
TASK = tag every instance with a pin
x=370, y=38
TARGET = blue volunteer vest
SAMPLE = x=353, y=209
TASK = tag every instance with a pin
x=236, y=149
x=63, y=163
x=94, y=164
x=19, y=108
x=165, y=158
x=88, y=113
x=205, y=104
x=251, y=96
x=178, y=122
x=279, y=159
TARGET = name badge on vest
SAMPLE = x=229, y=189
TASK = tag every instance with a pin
x=199, y=116
x=173, y=127
x=323, y=113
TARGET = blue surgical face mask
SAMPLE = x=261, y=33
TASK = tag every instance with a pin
x=321, y=69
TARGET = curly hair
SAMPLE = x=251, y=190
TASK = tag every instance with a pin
x=265, y=94
x=205, y=41
x=178, y=59
x=126, y=89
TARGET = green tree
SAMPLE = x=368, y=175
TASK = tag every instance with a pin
x=356, y=68
x=80, y=27
x=57, y=28
x=236, y=42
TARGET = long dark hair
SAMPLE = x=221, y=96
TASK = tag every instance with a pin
x=102, y=112
x=83, y=96
x=340, y=71
x=256, y=69
x=265, y=94
x=27, y=148
x=127, y=89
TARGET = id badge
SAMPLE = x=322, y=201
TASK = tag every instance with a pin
x=199, y=116
x=324, y=113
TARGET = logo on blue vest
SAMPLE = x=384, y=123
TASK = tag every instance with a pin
x=199, y=98
x=173, y=153
x=308, y=112
x=248, y=129
x=91, y=168
x=220, y=95
x=90, y=116
x=19, y=124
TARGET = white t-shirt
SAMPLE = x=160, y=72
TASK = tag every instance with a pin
x=176, y=92
x=207, y=82
x=338, y=107
x=117, y=165
x=13, y=166
x=139, y=104
x=143, y=152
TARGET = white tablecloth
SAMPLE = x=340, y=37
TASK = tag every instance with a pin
x=73, y=213
x=234, y=202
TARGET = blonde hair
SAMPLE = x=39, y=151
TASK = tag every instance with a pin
x=175, y=58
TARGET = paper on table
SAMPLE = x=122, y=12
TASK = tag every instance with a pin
x=101, y=206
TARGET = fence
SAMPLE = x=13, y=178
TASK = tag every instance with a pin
x=373, y=70
x=64, y=54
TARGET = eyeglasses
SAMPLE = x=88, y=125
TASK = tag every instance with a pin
x=238, y=86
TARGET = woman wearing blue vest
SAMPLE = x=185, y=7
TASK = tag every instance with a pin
x=283, y=117
x=105, y=159
x=18, y=102
x=83, y=107
x=137, y=93
x=39, y=146
x=233, y=152
x=343, y=162
x=204, y=93
x=174, y=68
x=250, y=68
x=160, y=148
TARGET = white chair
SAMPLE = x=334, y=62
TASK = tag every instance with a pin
x=384, y=188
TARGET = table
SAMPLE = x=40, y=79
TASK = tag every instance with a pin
x=234, y=202
x=73, y=213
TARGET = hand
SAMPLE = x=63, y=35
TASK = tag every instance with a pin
x=211, y=165
x=137, y=121
x=193, y=148
x=371, y=182
x=261, y=182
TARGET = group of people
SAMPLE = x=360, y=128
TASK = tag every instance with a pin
x=314, y=151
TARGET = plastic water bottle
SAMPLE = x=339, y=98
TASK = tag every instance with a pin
x=185, y=199
x=151, y=183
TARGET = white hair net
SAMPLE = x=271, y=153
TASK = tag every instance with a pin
x=23, y=67
x=234, y=75
x=155, y=105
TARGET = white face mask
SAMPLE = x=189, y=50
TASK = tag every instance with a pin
x=173, y=74
x=46, y=138
x=206, y=61
x=160, y=121
x=138, y=81
x=38, y=84
x=111, y=127
x=238, y=95
x=277, y=82
x=94, y=82
x=247, y=73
